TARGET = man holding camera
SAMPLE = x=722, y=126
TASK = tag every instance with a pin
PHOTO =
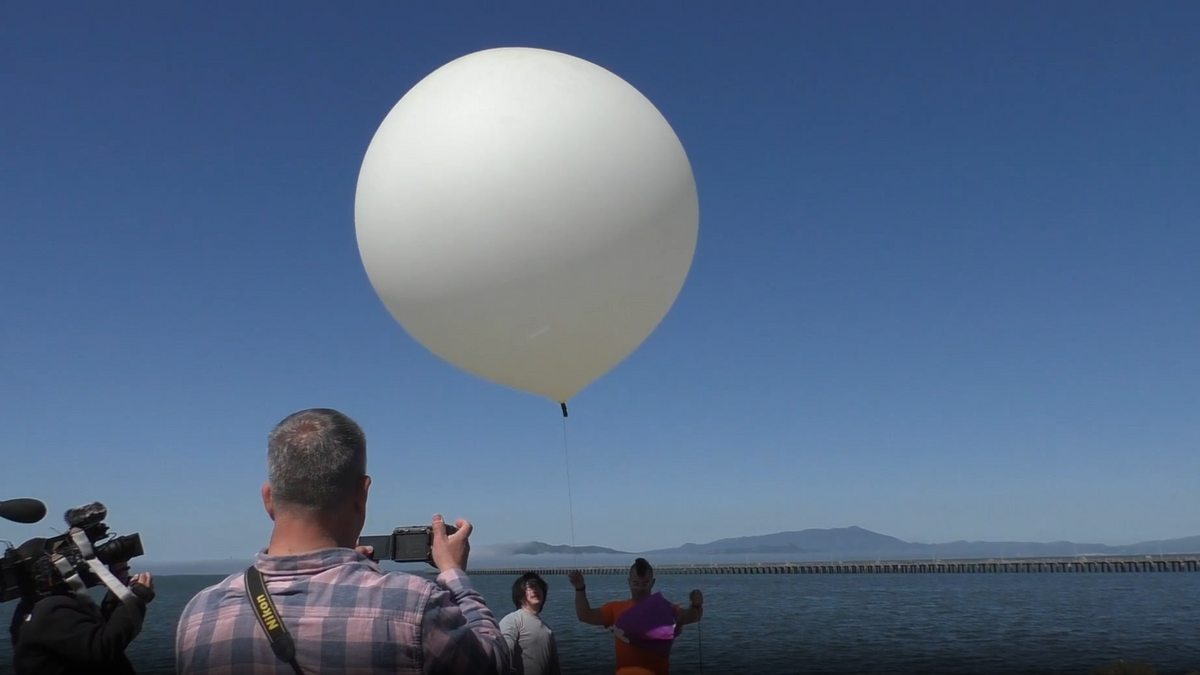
x=57, y=630
x=316, y=603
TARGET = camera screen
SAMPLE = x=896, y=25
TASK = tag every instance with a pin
x=412, y=546
x=382, y=543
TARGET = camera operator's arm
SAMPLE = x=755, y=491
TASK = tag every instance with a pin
x=142, y=586
x=460, y=634
x=65, y=625
x=458, y=631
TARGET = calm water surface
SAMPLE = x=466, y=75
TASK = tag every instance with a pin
x=971, y=623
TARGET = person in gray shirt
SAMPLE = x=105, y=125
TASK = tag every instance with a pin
x=529, y=638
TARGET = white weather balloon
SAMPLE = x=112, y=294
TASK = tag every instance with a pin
x=528, y=216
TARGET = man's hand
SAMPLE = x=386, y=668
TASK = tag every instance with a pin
x=451, y=552
x=583, y=609
x=142, y=586
x=692, y=614
x=367, y=551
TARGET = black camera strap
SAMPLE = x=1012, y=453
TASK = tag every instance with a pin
x=272, y=624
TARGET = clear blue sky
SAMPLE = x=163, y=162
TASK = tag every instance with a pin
x=946, y=284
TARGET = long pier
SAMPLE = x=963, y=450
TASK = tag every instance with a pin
x=1021, y=566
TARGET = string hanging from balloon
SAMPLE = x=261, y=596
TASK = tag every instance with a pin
x=570, y=500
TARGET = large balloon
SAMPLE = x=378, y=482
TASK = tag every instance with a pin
x=528, y=216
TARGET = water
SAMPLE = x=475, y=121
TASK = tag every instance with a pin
x=954, y=624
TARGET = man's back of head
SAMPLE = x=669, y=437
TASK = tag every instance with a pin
x=317, y=473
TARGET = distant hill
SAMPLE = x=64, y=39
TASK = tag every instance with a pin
x=856, y=543
x=539, y=548
x=1181, y=545
x=813, y=541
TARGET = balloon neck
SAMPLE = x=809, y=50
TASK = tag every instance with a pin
x=564, y=408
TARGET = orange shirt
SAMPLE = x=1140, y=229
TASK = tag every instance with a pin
x=630, y=659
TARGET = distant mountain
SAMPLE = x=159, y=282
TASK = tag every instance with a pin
x=539, y=548
x=856, y=543
x=845, y=539
x=1166, y=546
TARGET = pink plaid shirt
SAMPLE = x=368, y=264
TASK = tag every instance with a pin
x=346, y=617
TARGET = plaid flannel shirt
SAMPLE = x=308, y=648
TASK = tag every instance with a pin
x=345, y=617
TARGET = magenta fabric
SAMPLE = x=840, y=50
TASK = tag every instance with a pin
x=649, y=625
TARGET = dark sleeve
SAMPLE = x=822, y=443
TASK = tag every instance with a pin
x=66, y=626
x=18, y=618
x=111, y=602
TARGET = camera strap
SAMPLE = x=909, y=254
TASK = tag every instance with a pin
x=71, y=576
x=272, y=624
x=101, y=570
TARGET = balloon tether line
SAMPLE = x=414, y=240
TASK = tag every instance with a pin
x=570, y=500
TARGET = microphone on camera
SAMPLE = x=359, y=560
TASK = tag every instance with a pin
x=27, y=511
x=85, y=516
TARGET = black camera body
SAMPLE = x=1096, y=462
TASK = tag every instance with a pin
x=404, y=544
x=22, y=568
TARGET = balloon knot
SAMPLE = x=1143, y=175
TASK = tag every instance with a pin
x=564, y=408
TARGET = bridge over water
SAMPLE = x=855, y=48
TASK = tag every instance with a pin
x=1085, y=565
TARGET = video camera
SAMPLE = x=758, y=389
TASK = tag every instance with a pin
x=404, y=544
x=79, y=557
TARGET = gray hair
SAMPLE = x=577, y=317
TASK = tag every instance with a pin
x=316, y=459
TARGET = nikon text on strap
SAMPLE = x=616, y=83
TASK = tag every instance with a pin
x=269, y=619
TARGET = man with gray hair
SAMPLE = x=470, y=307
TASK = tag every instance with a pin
x=340, y=612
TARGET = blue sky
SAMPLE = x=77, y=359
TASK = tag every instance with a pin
x=945, y=287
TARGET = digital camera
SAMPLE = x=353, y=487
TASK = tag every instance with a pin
x=404, y=544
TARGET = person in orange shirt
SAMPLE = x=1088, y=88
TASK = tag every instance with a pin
x=631, y=659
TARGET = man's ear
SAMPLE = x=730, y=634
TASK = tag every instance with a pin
x=360, y=504
x=268, y=503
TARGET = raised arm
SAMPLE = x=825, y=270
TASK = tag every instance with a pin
x=694, y=612
x=583, y=609
x=459, y=633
